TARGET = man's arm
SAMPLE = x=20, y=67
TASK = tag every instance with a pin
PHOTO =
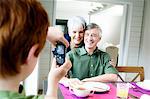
x=110, y=73
x=103, y=78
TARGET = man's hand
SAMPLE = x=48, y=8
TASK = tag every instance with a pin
x=74, y=82
x=70, y=82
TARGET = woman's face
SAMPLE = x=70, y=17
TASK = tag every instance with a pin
x=77, y=34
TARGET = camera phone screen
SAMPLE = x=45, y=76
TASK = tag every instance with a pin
x=61, y=49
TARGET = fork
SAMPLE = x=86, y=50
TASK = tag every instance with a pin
x=137, y=90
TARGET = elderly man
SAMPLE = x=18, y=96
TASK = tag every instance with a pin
x=88, y=62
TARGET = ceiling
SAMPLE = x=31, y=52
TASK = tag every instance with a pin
x=78, y=7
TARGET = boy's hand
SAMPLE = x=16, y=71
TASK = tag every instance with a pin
x=54, y=35
x=57, y=72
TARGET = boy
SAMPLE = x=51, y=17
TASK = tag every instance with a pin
x=23, y=32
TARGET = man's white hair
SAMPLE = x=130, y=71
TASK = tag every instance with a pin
x=92, y=26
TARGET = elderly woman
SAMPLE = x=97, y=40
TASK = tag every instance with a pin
x=76, y=26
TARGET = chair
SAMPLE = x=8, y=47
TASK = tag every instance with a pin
x=131, y=69
x=113, y=52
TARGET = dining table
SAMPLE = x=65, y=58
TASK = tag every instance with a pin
x=133, y=93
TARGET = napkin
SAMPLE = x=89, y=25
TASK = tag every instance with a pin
x=145, y=96
x=144, y=85
x=64, y=81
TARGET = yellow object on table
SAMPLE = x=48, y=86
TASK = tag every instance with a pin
x=122, y=90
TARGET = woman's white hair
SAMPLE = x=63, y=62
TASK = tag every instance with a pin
x=76, y=21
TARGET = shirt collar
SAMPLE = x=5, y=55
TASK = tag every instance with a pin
x=82, y=51
x=80, y=45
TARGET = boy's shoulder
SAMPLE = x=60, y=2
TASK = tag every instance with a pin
x=16, y=95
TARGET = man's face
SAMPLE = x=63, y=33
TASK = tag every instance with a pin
x=91, y=38
x=77, y=34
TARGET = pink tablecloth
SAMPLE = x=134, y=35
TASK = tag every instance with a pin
x=138, y=92
x=107, y=95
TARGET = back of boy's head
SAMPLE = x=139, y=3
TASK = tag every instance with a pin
x=23, y=23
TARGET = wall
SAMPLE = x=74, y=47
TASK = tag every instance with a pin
x=130, y=45
x=145, y=46
x=71, y=9
x=45, y=57
x=135, y=32
x=110, y=21
x=32, y=80
x=131, y=37
x=35, y=80
x=137, y=45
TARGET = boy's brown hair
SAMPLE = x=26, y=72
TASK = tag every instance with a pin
x=23, y=23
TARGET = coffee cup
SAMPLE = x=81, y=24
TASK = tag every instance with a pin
x=81, y=92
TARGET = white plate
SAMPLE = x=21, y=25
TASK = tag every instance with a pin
x=145, y=84
x=96, y=86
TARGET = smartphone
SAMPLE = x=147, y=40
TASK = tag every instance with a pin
x=60, y=53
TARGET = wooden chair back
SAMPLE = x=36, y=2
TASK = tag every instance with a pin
x=113, y=52
x=131, y=69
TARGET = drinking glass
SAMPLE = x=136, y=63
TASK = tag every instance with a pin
x=122, y=90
